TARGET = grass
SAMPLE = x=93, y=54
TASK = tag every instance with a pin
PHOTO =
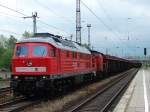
x=1, y=78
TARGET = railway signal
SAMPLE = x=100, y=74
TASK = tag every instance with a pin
x=145, y=51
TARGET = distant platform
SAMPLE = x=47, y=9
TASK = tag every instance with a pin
x=137, y=96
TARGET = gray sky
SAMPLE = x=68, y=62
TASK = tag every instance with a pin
x=60, y=17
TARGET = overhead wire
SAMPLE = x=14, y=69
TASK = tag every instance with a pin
x=53, y=11
x=109, y=17
x=97, y=16
x=51, y=26
x=103, y=9
x=13, y=16
x=102, y=22
x=6, y=14
x=21, y=13
x=4, y=30
x=12, y=10
x=106, y=14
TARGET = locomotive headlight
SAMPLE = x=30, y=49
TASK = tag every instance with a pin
x=16, y=77
x=44, y=77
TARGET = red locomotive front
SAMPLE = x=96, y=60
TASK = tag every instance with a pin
x=30, y=58
x=34, y=59
x=32, y=63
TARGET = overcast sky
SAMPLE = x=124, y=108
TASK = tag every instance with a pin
x=123, y=18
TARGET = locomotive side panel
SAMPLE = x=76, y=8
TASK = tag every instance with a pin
x=53, y=60
x=75, y=62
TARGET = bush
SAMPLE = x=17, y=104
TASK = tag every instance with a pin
x=6, y=59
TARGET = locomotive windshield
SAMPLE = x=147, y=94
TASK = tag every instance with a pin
x=21, y=51
x=38, y=50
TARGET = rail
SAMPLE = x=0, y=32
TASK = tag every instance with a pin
x=102, y=100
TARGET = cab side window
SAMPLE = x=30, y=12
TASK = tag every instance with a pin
x=67, y=54
x=74, y=55
x=52, y=52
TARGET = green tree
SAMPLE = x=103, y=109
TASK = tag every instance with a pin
x=27, y=34
x=1, y=52
x=3, y=40
x=6, y=50
x=10, y=43
x=6, y=59
x=86, y=45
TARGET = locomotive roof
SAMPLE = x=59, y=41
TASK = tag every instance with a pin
x=93, y=51
x=58, y=43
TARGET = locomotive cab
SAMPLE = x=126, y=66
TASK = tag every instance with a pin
x=29, y=58
x=31, y=64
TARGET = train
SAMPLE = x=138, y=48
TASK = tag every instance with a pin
x=46, y=63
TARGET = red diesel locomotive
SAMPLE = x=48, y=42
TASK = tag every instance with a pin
x=47, y=63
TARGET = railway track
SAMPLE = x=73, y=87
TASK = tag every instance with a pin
x=17, y=104
x=95, y=103
x=5, y=94
x=102, y=100
x=3, y=90
x=13, y=104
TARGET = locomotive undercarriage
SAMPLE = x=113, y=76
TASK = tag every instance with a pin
x=31, y=86
x=27, y=86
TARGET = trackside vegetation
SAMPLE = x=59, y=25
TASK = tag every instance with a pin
x=7, y=44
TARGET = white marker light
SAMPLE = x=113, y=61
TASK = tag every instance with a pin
x=44, y=77
x=16, y=77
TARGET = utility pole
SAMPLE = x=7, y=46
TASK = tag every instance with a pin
x=106, y=47
x=128, y=38
x=106, y=51
x=34, y=16
x=89, y=41
x=78, y=22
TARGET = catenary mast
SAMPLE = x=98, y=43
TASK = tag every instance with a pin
x=78, y=22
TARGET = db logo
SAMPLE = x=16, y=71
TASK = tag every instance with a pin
x=36, y=69
x=28, y=63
